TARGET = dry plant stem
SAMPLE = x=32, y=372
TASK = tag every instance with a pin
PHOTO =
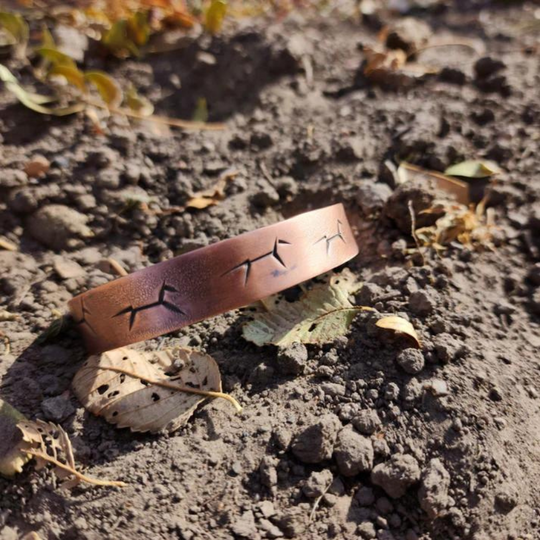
x=165, y=384
x=117, y=267
x=318, y=500
x=413, y=230
x=352, y=308
x=78, y=474
x=175, y=122
x=438, y=45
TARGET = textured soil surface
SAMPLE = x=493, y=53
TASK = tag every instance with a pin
x=363, y=438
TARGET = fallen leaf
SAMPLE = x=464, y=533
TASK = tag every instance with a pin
x=7, y=316
x=57, y=327
x=391, y=67
x=12, y=459
x=323, y=313
x=15, y=25
x=72, y=74
x=399, y=325
x=473, y=169
x=108, y=88
x=460, y=223
x=137, y=103
x=49, y=444
x=213, y=195
x=214, y=16
x=37, y=167
x=148, y=391
x=4, y=244
x=56, y=58
x=35, y=101
x=407, y=172
x=201, y=111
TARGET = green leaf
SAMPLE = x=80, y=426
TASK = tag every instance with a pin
x=138, y=29
x=473, y=169
x=215, y=14
x=320, y=316
x=35, y=101
x=201, y=111
x=108, y=88
x=12, y=459
x=47, y=40
x=56, y=58
x=56, y=328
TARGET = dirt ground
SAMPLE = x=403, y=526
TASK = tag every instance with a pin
x=453, y=448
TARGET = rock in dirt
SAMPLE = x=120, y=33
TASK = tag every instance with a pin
x=58, y=227
x=367, y=421
x=397, y=205
x=292, y=359
x=66, y=268
x=244, y=526
x=433, y=493
x=57, y=409
x=353, y=452
x=447, y=347
x=316, y=443
x=423, y=302
x=365, y=496
x=411, y=360
x=317, y=483
x=372, y=196
x=408, y=34
x=396, y=475
x=12, y=178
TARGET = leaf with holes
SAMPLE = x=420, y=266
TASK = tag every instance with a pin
x=12, y=459
x=320, y=316
x=49, y=444
x=148, y=391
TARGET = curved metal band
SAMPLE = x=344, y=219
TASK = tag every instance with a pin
x=214, y=279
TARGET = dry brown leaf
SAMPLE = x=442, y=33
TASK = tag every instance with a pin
x=392, y=67
x=49, y=444
x=148, y=391
x=37, y=167
x=469, y=227
x=407, y=172
x=213, y=195
x=400, y=325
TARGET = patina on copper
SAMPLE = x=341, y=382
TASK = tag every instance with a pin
x=214, y=279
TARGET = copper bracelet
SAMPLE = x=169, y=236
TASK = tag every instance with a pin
x=213, y=279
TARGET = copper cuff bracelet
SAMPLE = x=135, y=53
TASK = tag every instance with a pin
x=214, y=279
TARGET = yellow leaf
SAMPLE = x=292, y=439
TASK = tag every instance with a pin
x=400, y=325
x=72, y=74
x=15, y=26
x=474, y=169
x=56, y=58
x=137, y=28
x=107, y=87
x=214, y=16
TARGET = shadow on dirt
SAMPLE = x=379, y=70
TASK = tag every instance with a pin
x=229, y=75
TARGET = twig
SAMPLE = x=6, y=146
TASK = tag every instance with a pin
x=318, y=500
x=165, y=384
x=76, y=473
x=117, y=267
x=413, y=230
